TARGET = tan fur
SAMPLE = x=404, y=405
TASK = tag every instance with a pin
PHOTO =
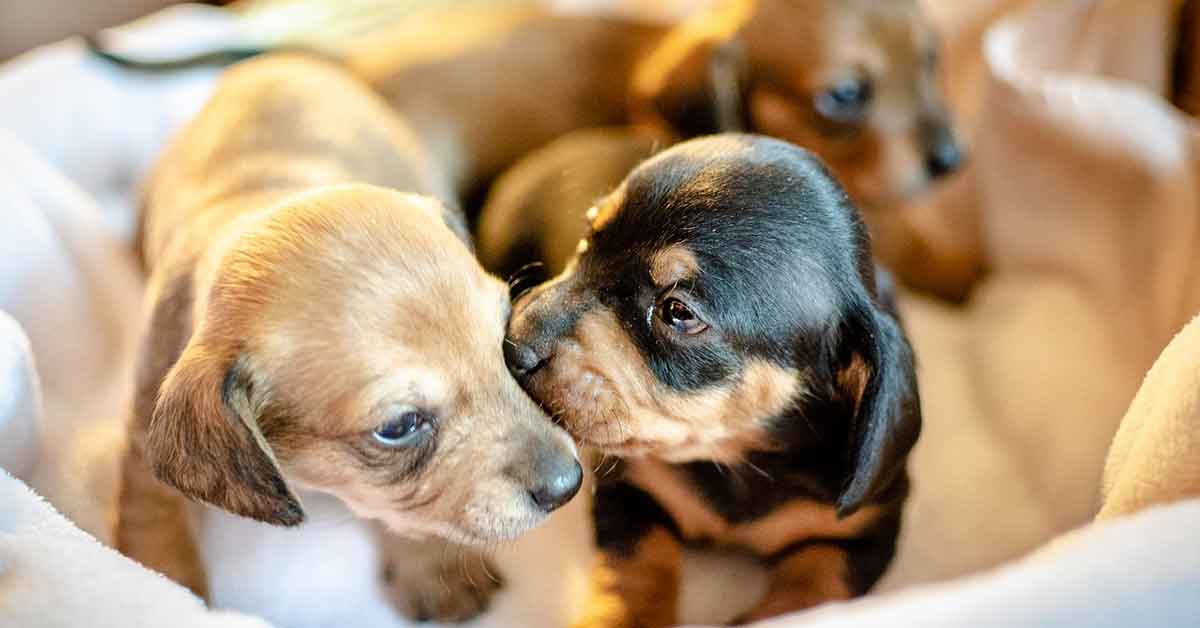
x=589, y=72
x=297, y=302
x=645, y=583
x=434, y=579
x=795, y=521
x=813, y=575
x=600, y=386
x=487, y=86
x=672, y=265
x=884, y=162
x=491, y=86
x=600, y=215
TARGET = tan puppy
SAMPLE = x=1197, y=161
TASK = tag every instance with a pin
x=852, y=80
x=311, y=328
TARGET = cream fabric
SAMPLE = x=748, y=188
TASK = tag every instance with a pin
x=56, y=576
x=1155, y=457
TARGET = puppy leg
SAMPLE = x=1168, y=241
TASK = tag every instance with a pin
x=641, y=559
x=435, y=580
x=152, y=527
x=805, y=578
x=647, y=581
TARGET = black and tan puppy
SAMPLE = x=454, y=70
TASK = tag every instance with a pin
x=723, y=333
x=318, y=325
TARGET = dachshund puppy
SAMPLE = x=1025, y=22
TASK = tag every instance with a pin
x=853, y=80
x=533, y=216
x=317, y=324
x=722, y=332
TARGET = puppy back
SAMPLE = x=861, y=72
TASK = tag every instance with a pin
x=276, y=125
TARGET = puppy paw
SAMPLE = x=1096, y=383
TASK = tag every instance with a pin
x=444, y=583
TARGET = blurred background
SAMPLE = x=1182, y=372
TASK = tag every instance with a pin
x=28, y=23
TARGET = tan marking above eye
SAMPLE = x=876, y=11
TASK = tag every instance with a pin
x=620, y=405
x=603, y=213
x=673, y=264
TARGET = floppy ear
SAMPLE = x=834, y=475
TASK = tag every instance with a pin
x=692, y=86
x=204, y=440
x=881, y=375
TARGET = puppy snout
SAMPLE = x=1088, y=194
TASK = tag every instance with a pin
x=522, y=359
x=944, y=158
x=944, y=154
x=539, y=320
x=549, y=471
x=559, y=483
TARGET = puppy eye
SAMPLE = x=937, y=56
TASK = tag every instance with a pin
x=680, y=318
x=404, y=430
x=845, y=101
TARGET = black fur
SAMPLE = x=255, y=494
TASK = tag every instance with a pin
x=786, y=276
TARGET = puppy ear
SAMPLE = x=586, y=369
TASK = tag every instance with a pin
x=204, y=440
x=692, y=88
x=880, y=375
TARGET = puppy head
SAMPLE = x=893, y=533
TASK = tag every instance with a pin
x=853, y=80
x=346, y=341
x=724, y=301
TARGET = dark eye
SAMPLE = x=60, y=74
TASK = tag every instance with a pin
x=931, y=58
x=680, y=318
x=845, y=101
x=404, y=430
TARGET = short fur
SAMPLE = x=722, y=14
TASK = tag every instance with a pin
x=485, y=88
x=306, y=288
x=782, y=428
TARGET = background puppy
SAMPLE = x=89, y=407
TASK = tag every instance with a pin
x=534, y=215
x=852, y=80
x=721, y=332
x=310, y=334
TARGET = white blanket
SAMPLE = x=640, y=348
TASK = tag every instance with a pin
x=1137, y=572
x=56, y=576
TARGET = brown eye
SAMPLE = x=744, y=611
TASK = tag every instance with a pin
x=680, y=318
x=403, y=430
x=845, y=102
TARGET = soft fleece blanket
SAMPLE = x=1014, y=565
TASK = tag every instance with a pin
x=1083, y=180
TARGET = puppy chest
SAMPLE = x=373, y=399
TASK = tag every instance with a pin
x=784, y=520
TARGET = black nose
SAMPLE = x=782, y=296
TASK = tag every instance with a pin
x=521, y=358
x=558, y=487
x=944, y=157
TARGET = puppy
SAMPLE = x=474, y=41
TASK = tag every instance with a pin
x=533, y=216
x=722, y=333
x=852, y=80
x=317, y=324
